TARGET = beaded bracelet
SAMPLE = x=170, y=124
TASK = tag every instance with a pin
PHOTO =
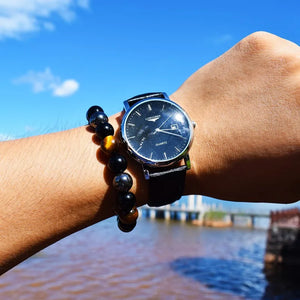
x=125, y=208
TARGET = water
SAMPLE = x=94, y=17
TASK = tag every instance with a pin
x=158, y=260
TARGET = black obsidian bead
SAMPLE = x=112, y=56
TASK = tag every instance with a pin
x=125, y=203
x=117, y=163
x=122, y=182
x=125, y=227
x=131, y=217
x=97, y=118
x=103, y=130
x=92, y=110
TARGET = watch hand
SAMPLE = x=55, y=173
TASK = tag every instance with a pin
x=171, y=133
x=165, y=121
x=167, y=129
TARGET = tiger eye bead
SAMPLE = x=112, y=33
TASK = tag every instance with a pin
x=103, y=130
x=92, y=110
x=125, y=203
x=117, y=163
x=125, y=227
x=97, y=118
x=131, y=217
x=122, y=182
x=108, y=145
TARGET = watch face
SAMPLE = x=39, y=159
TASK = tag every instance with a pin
x=157, y=131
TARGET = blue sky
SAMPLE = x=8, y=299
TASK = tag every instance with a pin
x=58, y=57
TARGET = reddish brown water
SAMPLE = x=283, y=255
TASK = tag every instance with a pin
x=158, y=260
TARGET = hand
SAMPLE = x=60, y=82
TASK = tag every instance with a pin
x=246, y=104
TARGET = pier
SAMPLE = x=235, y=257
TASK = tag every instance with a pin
x=283, y=241
x=196, y=210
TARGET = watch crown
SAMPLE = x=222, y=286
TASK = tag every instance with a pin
x=194, y=124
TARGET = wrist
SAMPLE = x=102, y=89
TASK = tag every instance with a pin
x=200, y=152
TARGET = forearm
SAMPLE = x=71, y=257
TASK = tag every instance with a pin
x=56, y=184
x=53, y=185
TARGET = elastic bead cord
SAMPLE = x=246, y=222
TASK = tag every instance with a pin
x=125, y=208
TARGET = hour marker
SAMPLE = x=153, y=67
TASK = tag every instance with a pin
x=153, y=118
x=131, y=137
x=130, y=124
x=151, y=155
x=163, y=108
x=138, y=113
x=165, y=155
x=177, y=149
x=149, y=107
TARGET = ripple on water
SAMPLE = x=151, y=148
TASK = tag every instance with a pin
x=158, y=260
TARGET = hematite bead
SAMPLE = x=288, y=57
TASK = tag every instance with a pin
x=97, y=118
x=103, y=130
x=92, y=110
x=131, y=217
x=122, y=182
x=117, y=163
x=125, y=203
x=109, y=144
x=125, y=227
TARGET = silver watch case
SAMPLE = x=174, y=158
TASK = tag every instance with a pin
x=151, y=163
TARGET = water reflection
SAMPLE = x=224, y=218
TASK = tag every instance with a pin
x=242, y=278
x=232, y=276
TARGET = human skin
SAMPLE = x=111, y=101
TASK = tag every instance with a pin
x=247, y=107
x=246, y=148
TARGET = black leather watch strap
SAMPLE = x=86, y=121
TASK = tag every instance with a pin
x=166, y=186
x=137, y=98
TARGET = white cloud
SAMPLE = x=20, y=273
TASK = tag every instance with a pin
x=40, y=81
x=18, y=17
x=66, y=88
x=6, y=137
x=47, y=81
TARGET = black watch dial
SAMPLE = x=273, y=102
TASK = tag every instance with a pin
x=157, y=131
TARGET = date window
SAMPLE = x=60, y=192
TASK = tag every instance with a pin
x=174, y=126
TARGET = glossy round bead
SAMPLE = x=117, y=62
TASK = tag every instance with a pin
x=109, y=144
x=117, y=163
x=122, y=182
x=125, y=227
x=103, y=130
x=125, y=203
x=131, y=217
x=92, y=110
x=97, y=118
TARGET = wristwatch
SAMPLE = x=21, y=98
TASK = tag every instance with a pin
x=158, y=134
